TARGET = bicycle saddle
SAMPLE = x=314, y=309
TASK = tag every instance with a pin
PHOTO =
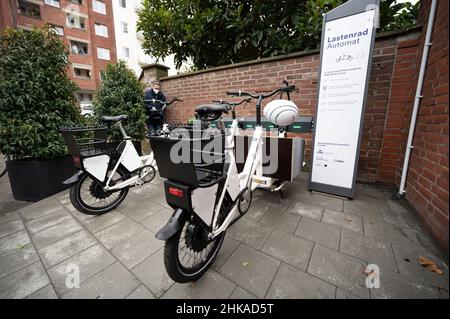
x=117, y=118
x=206, y=109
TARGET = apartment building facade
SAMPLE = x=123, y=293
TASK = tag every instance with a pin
x=129, y=40
x=86, y=26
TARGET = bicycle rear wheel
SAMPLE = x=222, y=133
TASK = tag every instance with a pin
x=88, y=196
x=3, y=168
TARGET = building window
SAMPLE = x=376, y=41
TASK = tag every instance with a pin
x=99, y=6
x=125, y=52
x=77, y=47
x=53, y=3
x=82, y=73
x=103, y=54
x=101, y=30
x=102, y=75
x=124, y=27
x=56, y=29
x=29, y=9
x=80, y=2
x=123, y=3
x=74, y=21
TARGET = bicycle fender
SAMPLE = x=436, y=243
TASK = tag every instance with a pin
x=172, y=226
x=75, y=177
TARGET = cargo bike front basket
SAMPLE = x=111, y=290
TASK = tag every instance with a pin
x=192, y=157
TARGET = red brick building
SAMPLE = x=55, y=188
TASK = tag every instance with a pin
x=86, y=26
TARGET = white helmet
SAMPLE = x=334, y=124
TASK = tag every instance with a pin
x=281, y=112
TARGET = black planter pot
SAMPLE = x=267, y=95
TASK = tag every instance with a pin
x=34, y=180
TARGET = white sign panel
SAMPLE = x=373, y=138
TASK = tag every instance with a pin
x=345, y=56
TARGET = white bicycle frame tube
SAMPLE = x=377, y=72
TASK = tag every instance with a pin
x=145, y=160
x=252, y=164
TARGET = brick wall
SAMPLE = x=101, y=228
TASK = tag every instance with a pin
x=427, y=180
x=300, y=69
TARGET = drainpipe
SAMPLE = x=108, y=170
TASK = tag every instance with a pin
x=418, y=97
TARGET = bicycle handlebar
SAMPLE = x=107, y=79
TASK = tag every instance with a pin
x=233, y=103
x=175, y=99
x=286, y=88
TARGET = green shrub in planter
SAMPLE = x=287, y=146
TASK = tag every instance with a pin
x=36, y=99
x=36, y=95
x=122, y=93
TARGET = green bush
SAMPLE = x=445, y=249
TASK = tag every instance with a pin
x=36, y=95
x=122, y=93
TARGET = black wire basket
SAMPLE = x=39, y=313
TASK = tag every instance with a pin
x=86, y=141
x=193, y=157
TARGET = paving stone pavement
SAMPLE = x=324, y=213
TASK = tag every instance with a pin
x=307, y=245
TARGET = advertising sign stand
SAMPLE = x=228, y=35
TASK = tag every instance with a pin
x=348, y=37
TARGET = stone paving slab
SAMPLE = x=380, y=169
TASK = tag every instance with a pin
x=281, y=221
x=44, y=293
x=399, y=286
x=340, y=270
x=94, y=224
x=390, y=233
x=89, y=262
x=240, y=293
x=23, y=282
x=210, y=286
x=318, y=232
x=118, y=233
x=157, y=220
x=343, y=220
x=37, y=224
x=11, y=228
x=17, y=259
x=136, y=249
x=229, y=245
x=9, y=217
x=55, y=233
x=306, y=210
x=408, y=263
x=141, y=293
x=66, y=248
x=13, y=241
x=291, y=283
x=114, y=282
x=288, y=248
x=251, y=270
x=299, y=247
x=152, y=274
x=249, y=232
x=368, y=249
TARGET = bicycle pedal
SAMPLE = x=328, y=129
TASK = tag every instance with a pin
x=139, y=183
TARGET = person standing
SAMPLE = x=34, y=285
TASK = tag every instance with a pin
x=154, y=104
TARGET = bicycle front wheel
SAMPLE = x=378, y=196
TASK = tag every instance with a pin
x=88, y=196
x=189, y=253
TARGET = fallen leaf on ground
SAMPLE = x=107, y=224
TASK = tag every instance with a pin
x=431, y=265
x=245, y=263
x=348, y=220
x=19, y=246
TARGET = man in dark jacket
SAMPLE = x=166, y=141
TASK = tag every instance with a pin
x=154, y=105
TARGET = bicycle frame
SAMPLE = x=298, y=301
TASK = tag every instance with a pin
x=234, y=179
x=129, y=158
